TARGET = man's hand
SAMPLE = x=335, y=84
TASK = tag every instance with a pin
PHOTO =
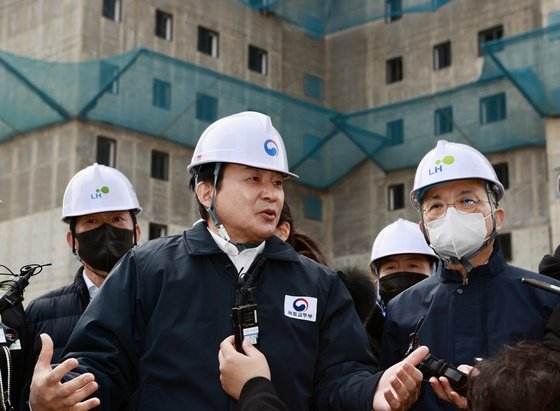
x=48, y=393
x=237, y=368
x=443, y=389
x=399, y=385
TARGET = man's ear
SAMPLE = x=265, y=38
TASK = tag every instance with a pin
x=500, y=216
x=421, y=226
x=203, y=192
x=69, y=240
x=138, y=232
x=283, y=230
x=424, y=231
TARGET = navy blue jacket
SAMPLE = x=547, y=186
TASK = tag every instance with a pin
x=57, y=313
x=152, y=334
x=258, y=394
x=459, y=322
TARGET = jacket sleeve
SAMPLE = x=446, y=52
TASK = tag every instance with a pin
x=31, y=314
x=390, y=345
x=346, y=371
x=109, y=335
x=258, y=394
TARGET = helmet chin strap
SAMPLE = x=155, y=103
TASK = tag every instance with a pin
x=212, y=209
x=90, y=268
x=378, y=300
x=465, y=260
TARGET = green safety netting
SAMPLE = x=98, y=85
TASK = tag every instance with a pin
x=532, y=62
x=120, y=90
x=321, y=17
x=521, y=127
x=323, y=145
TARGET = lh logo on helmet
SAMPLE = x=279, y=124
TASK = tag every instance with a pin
x=271, y=148
x=447, y=160
x=99, y=192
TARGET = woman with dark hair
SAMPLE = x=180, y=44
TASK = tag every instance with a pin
x=302, y=243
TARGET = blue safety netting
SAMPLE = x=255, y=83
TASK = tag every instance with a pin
x=175, y=100
x=531, y=61
x=321, y=17
x=521, y=127
x=121, y=90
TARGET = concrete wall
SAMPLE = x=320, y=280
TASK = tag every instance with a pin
x=357, y=57
x=37, y=238
x=75, y=30
x=46, y=29
x=553, y=178
x=34, y=171
x=285, y=44
x=527, y=214
x=548, y=7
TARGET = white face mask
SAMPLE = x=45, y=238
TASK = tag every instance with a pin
x=457, y=235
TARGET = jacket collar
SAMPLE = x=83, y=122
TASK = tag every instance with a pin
x=199, y=242
x=81, y=286
x=486, y=272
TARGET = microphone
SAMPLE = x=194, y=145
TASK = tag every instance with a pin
x=543, y=285
x=14, y=294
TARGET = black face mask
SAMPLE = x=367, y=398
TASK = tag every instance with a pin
x=102, y=247
x=393, y=284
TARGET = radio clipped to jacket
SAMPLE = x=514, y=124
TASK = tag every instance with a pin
x=245, y=324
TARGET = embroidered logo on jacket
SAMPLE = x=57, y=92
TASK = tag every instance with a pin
x=300, y=307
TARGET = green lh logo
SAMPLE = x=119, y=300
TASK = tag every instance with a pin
x=99, y=192
x=447, y=160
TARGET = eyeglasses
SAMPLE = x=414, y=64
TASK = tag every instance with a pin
x=436, y=209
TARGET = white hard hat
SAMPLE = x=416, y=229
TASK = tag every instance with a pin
x=400, y=237
x=246, y=138
x=452, y=161
x=97, y=189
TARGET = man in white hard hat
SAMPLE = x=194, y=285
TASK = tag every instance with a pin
x=100, y=208
x=151, y=337
x=400, y=258
x=475, y=303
